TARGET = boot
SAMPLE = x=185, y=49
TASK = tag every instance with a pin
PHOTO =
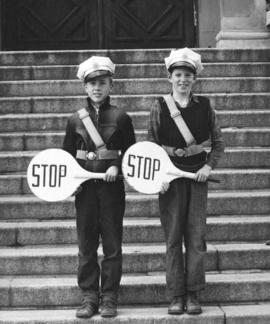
x=109, y=307
x=176, y=306
x=192, y=304
x=89, y=305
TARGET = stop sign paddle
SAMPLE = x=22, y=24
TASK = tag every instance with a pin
x=54, y=175
x=146, y=166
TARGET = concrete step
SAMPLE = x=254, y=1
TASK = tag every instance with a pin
x=241, y=157
x=127, y=315
x=51, y=291
x=244, y=179
x=68, y=72
x=132, y=86
x=137, y=258
x=233, y=136
x=232, y=179
x=237, y=314
x=35, y=141
x=248, y=228
x=58, y=121
x=138, y=205
x=128, y=56
x=69, y=104
x=64, y=260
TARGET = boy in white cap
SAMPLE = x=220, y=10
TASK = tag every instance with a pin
x=97, y=136
x=181, y=123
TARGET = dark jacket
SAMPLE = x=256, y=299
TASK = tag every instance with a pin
x=115, y=128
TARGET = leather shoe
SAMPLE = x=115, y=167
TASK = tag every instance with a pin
x=89, y=306
x=192, y=304
x=108, y=308
x=176, y=306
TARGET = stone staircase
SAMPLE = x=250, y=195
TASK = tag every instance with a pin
x=38, y=252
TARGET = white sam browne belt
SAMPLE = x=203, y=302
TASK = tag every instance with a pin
x=192, y=147
x=101, y=153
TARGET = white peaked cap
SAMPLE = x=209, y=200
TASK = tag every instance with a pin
x=95, y=66
x=184, y=57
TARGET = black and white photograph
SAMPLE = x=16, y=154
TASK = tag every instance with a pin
x=135, y=161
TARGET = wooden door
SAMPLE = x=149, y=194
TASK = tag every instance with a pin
x=91, y=24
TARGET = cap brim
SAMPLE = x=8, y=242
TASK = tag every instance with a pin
x=183, y=65
x=97, y=74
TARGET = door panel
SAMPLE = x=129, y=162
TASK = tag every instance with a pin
x=50, y=24
x=149, y=23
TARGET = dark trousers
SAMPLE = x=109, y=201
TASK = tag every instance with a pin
x=100, y=209
x=183, y=217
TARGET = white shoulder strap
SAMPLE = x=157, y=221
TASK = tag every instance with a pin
x=90, y=127
x=179, y=121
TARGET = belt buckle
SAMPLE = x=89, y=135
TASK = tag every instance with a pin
x=185, y=152
x=180, y=152
x=91, y=156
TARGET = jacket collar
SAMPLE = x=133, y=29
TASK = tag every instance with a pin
x=105, y=104
x=194, y=98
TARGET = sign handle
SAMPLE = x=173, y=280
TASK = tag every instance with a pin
x=212, y=179
x=93, y=175
x=190, y=175
x=89, y=175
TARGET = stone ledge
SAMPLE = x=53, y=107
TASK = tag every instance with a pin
x=151, y=315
